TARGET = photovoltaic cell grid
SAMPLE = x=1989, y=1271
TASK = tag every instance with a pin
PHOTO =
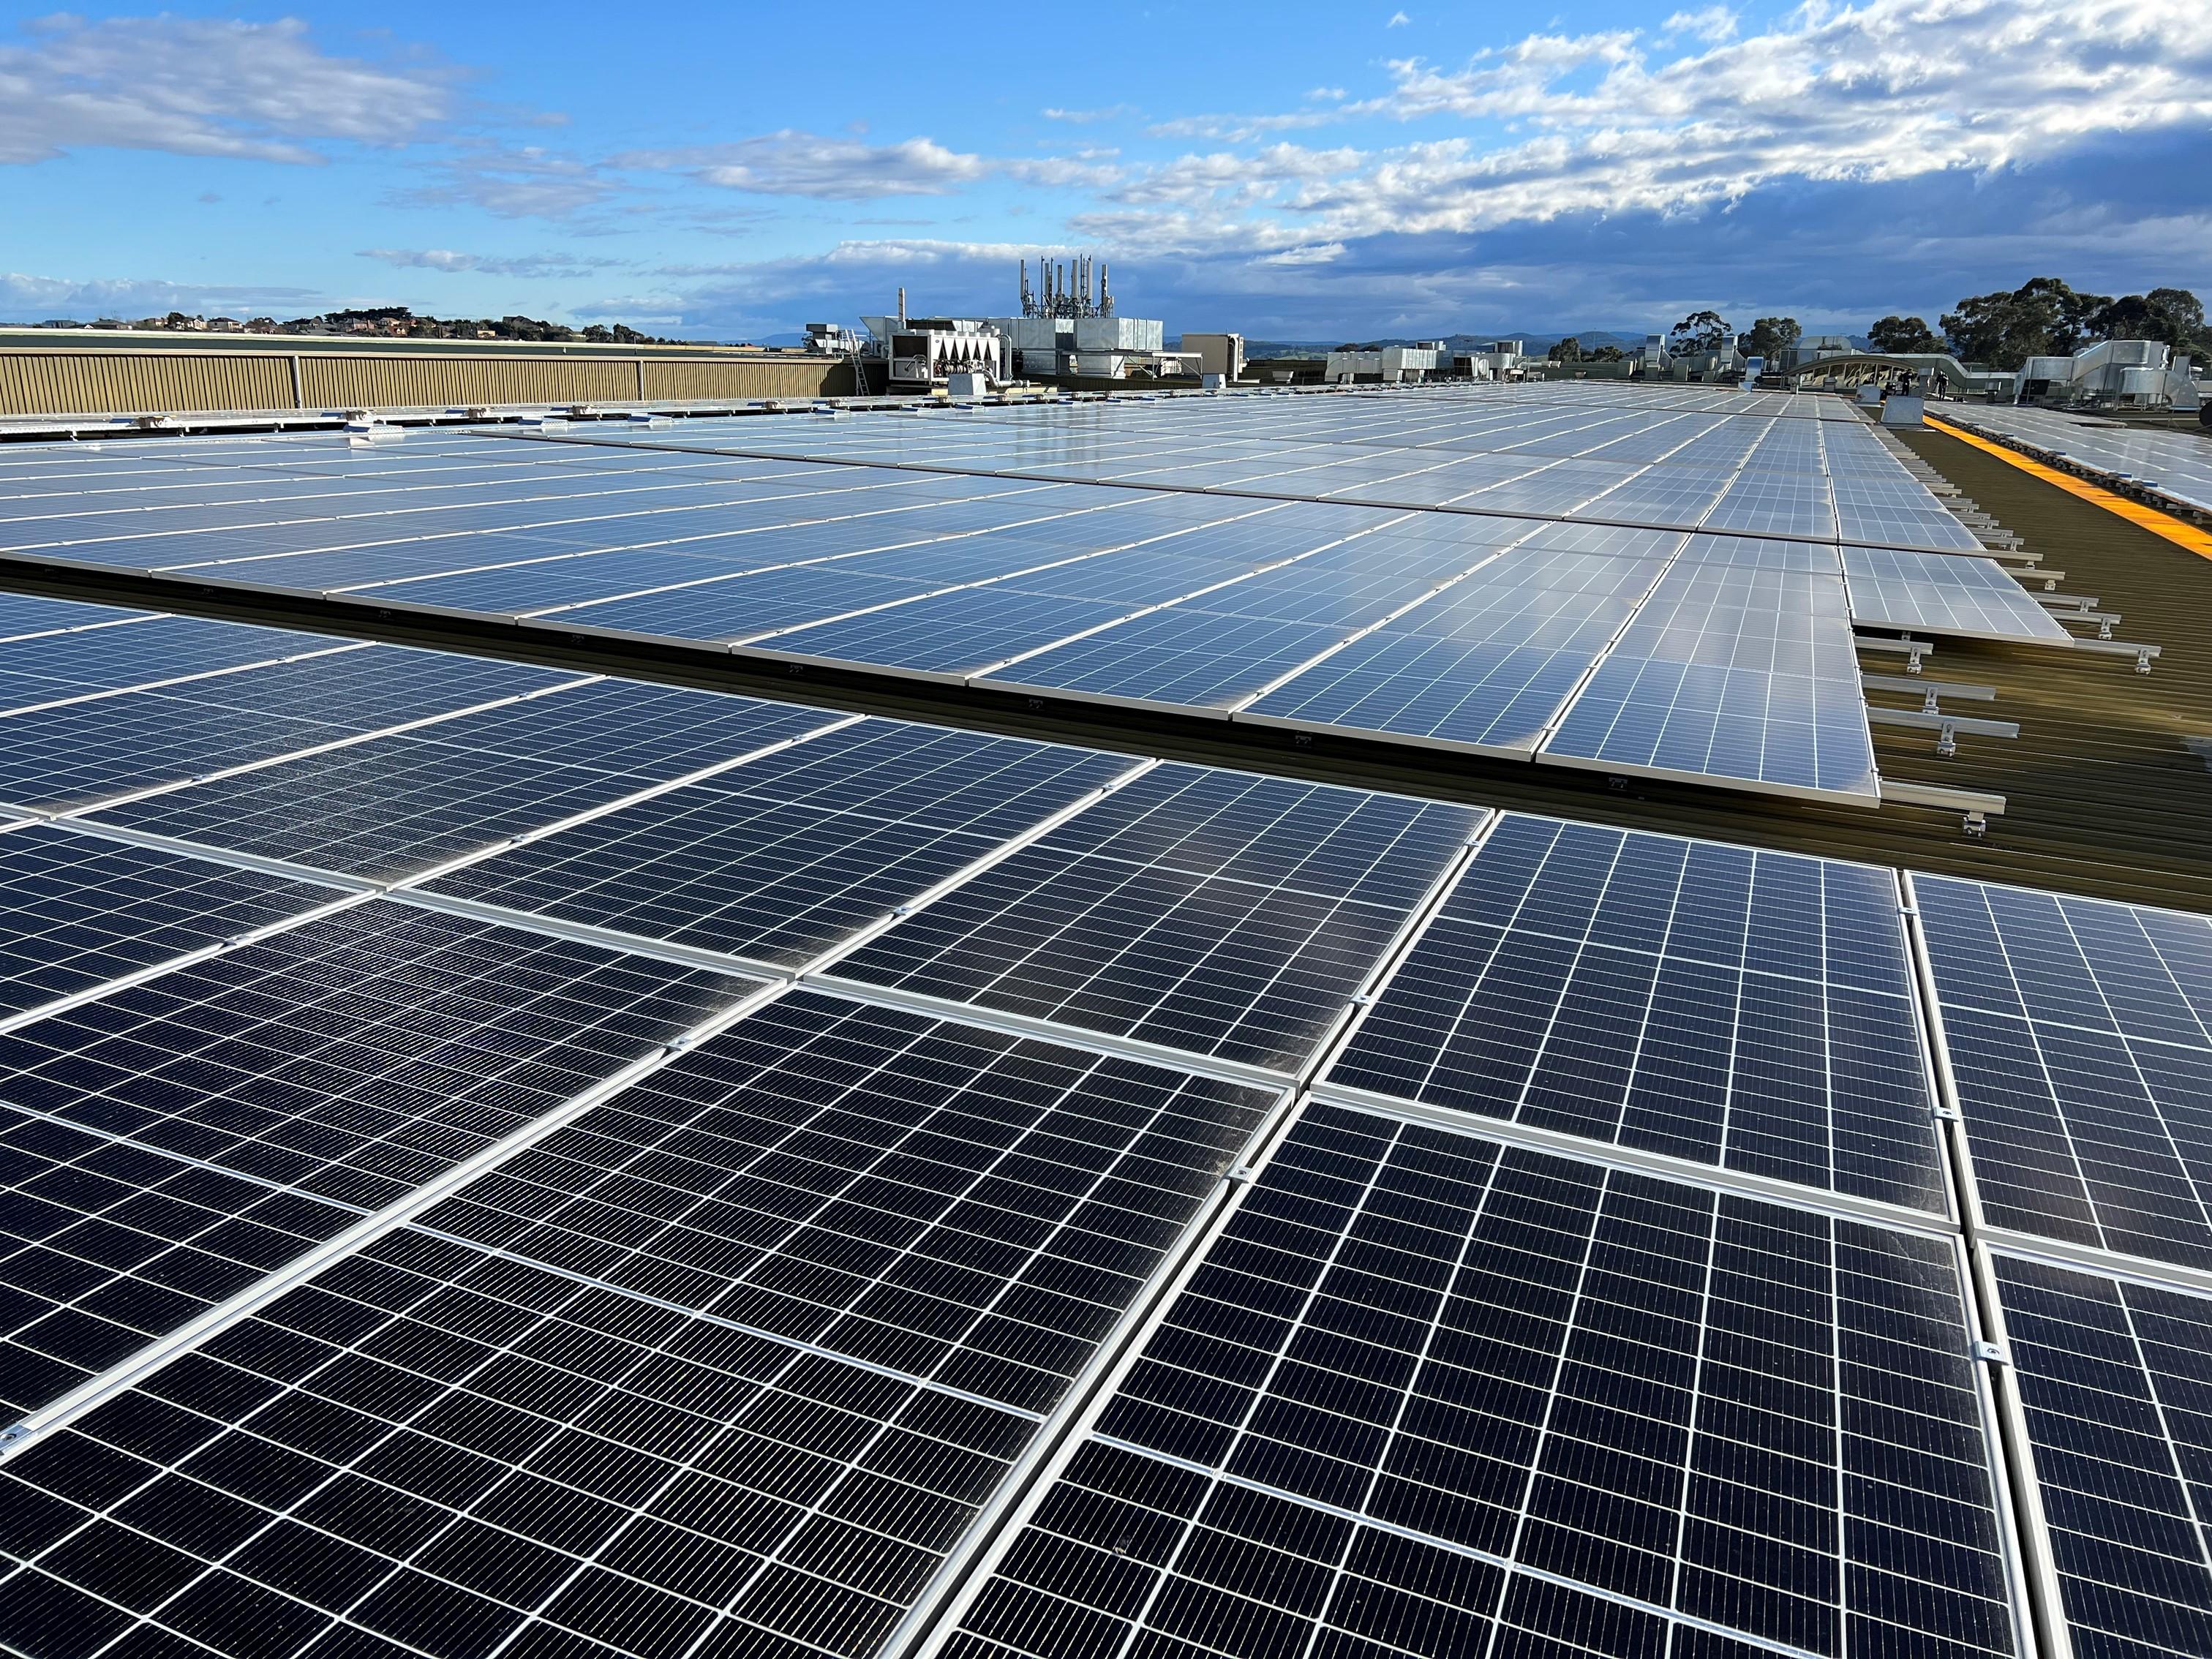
x=1939, y=593
x=1744, y=1009
x=323, y=1072
x=1742, y=666
x=75, y=912
x=1215, y=911
x=1429, y=1397
x=1486, y=665
x=76, y=756
x=622, y=1422
x=2113, y=1377
x=2080, y=1034
x=781, y=859
x=50, y=667
x=393, y=807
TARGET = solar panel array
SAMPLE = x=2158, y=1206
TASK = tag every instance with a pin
x=2177, y=465
x=1500, y=570
x=503, y=1161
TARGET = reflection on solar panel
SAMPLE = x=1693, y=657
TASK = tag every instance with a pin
x=158, y=650
x=1941, y=594
x=1424, y=1396
x=740, y=1353
x=2175, y=464
x=2113, y=1377
x=396, y=805
x=1485, y=665
x=1740, y=666
x=335, y=1066
x=22, y=617
x=781, y=859
x=1748, y=1009
x=1214, y=912
x=133, y=741
x=2081, y=1041
x=76, y=913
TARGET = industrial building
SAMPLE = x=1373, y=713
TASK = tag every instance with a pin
x=1546, y=1020
x=1390, y=365
x=1067, y=329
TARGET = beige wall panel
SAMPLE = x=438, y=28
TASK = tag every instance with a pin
x=733, y=379
x=365, y=382
x=131, y=382
x=70, y=382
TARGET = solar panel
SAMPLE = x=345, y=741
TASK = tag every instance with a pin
x=159, y=651
x=1748, y=1009
x=1729, y=678
x=89, y=751
x=1484, y=665
x=1942, y=594
x=131, y=740
x=780, y=859
x=1428, y=1396
x=1189, y=656
x=1744, y=670
x=397, y=805
x=1209, y=911
x=22, y=616
x=76, y=913
x=2112, y=1377
x=953, y=635
x=334, y=1067
x=2175, y=464
x=2080, y=1039
x=757, y=1414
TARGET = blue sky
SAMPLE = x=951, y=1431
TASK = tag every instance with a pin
x=1293, y=170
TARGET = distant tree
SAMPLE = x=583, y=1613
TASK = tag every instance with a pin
x=1606, y=354
x=2043, y=317
x=175, y=319
x=2172, y=316
x=1894, y=334
x=1770, y=337
x=1699, y=332
x=1569, y=350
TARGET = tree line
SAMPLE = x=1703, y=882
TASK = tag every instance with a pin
x=2045, y=317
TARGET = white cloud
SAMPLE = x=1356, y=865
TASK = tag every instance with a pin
x=202, y=86
x=837, y=169
x=1398, y=20
x=513, y=181
x=1608, y=123
x=1084, y=117
x=1242, y=129
x=1712, y=24
x=1092, y=169
x=526, y=265
x=1224, y=177
x=793, y=163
